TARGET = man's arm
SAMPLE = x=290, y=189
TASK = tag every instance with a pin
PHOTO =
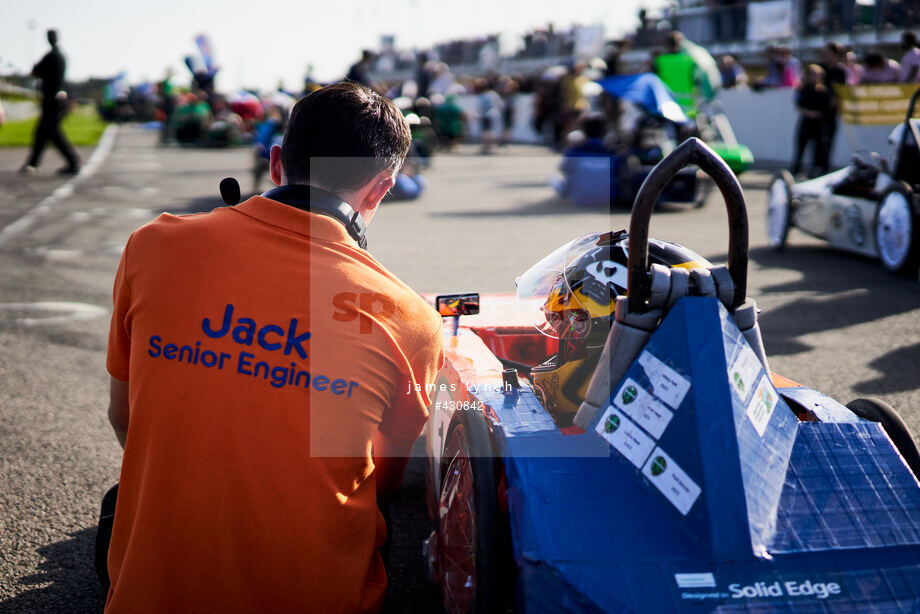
x=40, y=70
x=118, y=408
x=390, y=460
x=404, y=419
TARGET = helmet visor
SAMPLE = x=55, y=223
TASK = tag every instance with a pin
x=544, y=284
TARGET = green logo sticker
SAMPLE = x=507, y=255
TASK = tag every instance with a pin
x=659, y=465
x=739, y=383
x=612, y=424
x=629, y=394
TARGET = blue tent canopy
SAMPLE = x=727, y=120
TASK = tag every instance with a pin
x=648, y=91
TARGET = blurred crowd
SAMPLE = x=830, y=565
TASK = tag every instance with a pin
x=445, y=107
x=785, y=70
x=816, y=99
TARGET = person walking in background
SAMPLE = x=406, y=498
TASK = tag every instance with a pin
x=910, y=61
x=490, y=113
x=509, y=89
x=573, y=99
x=168, y=99
x=813, y=101
x=615, y=53
x=732, y=73
x=54, y=106
x=451, y=121
x=423, y=70
x=678, y=70
x=791, y=67
x=835, y=73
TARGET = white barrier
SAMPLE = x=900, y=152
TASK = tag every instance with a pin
x=19, y=109
x=764, y=121
x=521, y=132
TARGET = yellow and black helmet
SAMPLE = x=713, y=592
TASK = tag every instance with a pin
x=571, y=295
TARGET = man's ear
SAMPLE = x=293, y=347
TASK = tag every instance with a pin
x=382, y=184
x=275, y=170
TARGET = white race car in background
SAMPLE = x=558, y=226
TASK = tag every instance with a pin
x=870, y=207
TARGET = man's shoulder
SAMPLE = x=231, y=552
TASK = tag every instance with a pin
x=412, y=319
x=409, y=301
x=168, y=227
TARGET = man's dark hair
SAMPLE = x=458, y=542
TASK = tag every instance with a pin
x=908, y=40
x=52, y=37
x=875, y=59
x=673, y=41
x=342, y=136
x=593, y=125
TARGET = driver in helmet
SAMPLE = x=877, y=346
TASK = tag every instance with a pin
x=572, y=297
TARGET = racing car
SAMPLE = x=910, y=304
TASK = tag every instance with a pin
x=869, y=207
x=611, y=439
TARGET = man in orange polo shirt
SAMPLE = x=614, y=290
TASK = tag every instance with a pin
x=260, y=361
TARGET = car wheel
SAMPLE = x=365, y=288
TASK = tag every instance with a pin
x=896, y=231
x=469, y=544
x=779, y=209
x=876, y=410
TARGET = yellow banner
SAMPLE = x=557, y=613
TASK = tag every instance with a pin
x=876, y=104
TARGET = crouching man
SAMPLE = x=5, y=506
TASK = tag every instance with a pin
x=259, y=361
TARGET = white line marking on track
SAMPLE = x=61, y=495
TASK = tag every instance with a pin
x=63, y=191
x=68, y=312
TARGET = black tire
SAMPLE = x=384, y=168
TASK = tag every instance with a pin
x=876, y=410
x=896, y=223
x=780, y=209
x=469, y=449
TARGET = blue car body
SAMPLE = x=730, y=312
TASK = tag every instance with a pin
x=712, y=496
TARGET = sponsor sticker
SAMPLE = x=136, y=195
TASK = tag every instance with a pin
x=667, y=384
x=760, y=409
x=625, y=437
x=695, y=580
x=642, y=407
x=697, y=587
x=671, y=480
x=799, y=588
x=744, y=370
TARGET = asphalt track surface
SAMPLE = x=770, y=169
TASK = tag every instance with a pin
x=836, y=322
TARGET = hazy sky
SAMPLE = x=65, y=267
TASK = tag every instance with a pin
x=257, y=43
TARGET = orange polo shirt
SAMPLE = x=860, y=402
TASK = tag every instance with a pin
x=263, y=351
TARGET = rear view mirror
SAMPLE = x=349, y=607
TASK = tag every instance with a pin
x=449, y=305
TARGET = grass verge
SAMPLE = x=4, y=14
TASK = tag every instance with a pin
x=82, y=126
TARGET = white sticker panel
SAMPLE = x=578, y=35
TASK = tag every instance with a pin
x=667, y=384
x=625, y=437
x=642, y=407
x=671, y=480
x=761, y=407
x=744, y=370
x=653, y=417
